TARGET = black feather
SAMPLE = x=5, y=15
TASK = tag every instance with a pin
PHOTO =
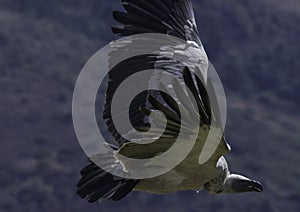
x=97, y=184
x=124, y=190
x=191, y=85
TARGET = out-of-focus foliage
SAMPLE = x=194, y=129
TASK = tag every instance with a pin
x=254, y=46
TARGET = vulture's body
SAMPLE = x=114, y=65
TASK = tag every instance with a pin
x=175, y=18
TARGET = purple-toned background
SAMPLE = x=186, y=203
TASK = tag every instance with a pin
x=254, y=47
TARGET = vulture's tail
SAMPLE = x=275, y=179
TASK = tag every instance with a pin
x=96, y=184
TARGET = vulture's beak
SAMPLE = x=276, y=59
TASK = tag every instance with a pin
x=242, y=185
x=255, y=186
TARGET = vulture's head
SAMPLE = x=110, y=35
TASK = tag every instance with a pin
x=237, y=184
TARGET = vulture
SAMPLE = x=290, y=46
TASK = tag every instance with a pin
x=190, y=99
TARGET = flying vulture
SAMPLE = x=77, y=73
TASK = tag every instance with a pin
x=174, y=18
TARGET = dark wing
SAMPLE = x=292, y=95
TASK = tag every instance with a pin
x=98, y=185
x=172, y=17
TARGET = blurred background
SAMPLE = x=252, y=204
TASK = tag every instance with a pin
x=254, y=46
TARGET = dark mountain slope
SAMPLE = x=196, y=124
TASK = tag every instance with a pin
x=254, y=45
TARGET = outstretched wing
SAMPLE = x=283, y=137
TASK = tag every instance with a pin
x=171, y=17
